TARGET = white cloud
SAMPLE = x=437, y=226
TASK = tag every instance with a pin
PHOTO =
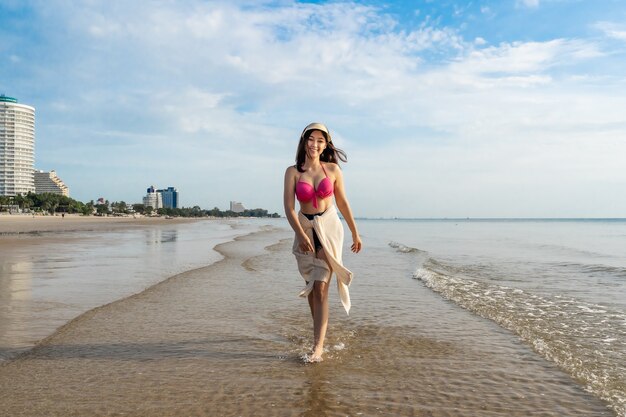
x=612, y=30
x=520, y=57
x=480, y=41
x=195, y=95
x=528, y=3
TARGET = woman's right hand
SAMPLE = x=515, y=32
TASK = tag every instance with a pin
x=304, y=244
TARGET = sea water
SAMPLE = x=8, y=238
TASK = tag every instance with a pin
x=47, y=279
x=448, y=318
x=559, y=285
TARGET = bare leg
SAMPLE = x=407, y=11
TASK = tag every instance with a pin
x=319, y=310
x=320, y=319
x=311, y=299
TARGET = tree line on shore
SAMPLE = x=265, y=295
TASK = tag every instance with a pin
x=55, y=203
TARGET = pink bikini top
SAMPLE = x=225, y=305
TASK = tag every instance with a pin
x=306, y=192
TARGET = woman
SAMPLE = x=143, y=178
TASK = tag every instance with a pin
x=314, y=179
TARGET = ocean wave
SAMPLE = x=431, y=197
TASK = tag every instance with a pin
x=586, y=340
x=403, y=248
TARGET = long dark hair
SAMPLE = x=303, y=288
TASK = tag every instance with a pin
x=330, y=154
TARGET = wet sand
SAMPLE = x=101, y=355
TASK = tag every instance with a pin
x=49, y=277
x=227, y=340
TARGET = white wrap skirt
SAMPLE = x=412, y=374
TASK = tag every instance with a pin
x=329, y=231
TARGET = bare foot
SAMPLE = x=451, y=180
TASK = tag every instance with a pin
x=316, y=356
x=313, y=358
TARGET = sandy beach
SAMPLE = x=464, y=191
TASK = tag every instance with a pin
x=228, y=339
x=19, y=224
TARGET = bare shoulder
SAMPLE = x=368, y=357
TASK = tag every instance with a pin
x=332, y=168
x=291, y=170
x=291, y=174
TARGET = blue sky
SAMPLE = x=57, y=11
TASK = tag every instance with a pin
x=445, y=108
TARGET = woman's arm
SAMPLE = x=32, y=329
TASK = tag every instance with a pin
x=346, y=211
x=289, y=201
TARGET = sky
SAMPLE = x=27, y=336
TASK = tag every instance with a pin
x=507, y=108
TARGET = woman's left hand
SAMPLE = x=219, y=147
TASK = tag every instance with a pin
x=356, y=244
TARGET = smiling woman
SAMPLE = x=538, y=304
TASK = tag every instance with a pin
x=314, y=179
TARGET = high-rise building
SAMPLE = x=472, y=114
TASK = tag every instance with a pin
x=17, y=147
x=237, y=207
x=153, y=198
x=169, y=197
x=48, y=182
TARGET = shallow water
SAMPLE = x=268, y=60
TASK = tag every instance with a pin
x=559, y=285
x=228, y=340
x=48, y=279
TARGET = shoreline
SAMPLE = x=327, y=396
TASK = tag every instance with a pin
x=54, y=266
x=77, y=346
x=220, y=248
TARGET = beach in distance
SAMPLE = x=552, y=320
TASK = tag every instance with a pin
x=21, y=223
x=170, y=317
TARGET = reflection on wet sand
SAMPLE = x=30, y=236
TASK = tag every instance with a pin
x=15, y=280
x=15, y=296
x=160, y=236
x=317, y=392
x=47, y=280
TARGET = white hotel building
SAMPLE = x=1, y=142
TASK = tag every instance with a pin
x=49, y=182
x=17, y=147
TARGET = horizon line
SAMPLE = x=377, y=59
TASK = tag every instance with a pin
x=490, y=218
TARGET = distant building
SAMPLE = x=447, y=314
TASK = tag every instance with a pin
x=48, y=182
x=17, y=147
x=153, y=198
x=169, y=197
x=237, y=207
